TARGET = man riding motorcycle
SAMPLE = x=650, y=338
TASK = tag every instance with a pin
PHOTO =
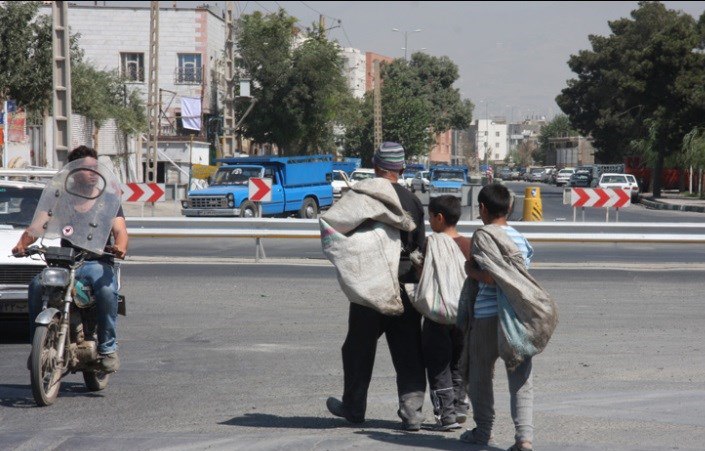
x=98, y=272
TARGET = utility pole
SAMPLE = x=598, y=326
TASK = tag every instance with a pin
x=61, y=99
x=322, y=24
x=377, y=105
x=153, y=94
x=228, y=140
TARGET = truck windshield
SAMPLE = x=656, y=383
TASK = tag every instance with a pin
x=448, y=175
x=236, y=176
x=17, y=205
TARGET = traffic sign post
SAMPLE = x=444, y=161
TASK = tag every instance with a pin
x=598, y=198
x=260, y=190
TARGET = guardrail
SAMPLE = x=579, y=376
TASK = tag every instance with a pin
x=588, y=232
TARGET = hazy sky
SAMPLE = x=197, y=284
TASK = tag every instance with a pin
x=512, y=56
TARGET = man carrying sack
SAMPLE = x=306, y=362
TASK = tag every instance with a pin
x=368, y=236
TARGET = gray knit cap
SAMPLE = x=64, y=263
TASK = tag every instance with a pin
x=389, y=156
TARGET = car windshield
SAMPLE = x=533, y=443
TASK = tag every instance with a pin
x=362, y=175
x=17, y=205
x=448, y=175
x=236, y=176
x=565, y=172
x=614, y=179
x=408, y=174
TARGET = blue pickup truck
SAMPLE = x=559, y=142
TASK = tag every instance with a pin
x=301, y=185
x=446, y=179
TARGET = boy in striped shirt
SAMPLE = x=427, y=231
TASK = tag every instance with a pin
x=495, y=201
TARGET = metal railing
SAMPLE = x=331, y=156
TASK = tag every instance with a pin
x=588, y=232
x=188, y=75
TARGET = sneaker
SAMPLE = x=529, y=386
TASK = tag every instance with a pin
x=461, y=417
x=109, y=362
x=407, y=426
x=337, y=408
x=471, y=436
x=447, y=427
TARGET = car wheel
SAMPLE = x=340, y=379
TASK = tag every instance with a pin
x=248, y=209
x=309, y=209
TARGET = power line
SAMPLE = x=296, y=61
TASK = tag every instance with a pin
x=263, y=7
x=346, y=34
x=318, y=12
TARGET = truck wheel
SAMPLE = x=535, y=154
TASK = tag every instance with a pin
x=309, y=209
x=248, y=209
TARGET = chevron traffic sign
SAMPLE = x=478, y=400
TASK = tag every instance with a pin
x=260, y=189
x=600, y=197
x=143, y=192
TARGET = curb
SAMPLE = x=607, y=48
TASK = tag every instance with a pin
x=658, y=205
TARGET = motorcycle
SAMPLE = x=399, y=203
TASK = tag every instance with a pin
x=78, y=206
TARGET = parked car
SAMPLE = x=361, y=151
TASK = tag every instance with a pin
x=563, y=176
x=536, y=174
x=18, y=200
x=361, y=174
x=547, y=173
x=340, y=183
x=585, y=176
x=619, y=181
x=515, y=175
x=420, y=182
x=505, y=174
x=635, y=187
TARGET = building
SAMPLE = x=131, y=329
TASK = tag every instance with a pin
x=191, y=43
x=354, y=71
x=570, y=151
x=491, y=142
x=441, y=151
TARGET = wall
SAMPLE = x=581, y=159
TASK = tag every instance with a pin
x=495, y=135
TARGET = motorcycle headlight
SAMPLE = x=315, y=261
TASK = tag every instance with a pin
x=55, y=277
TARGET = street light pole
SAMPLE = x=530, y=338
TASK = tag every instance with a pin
x=406, y=39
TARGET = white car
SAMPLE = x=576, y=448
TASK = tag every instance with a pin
x=563, y=176
x=421, y=181
x=635, y=187
x=619, y=181
x=361, y=174
x=340, y=183
x=18, y=200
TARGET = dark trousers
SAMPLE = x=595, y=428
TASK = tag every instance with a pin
x=442, y=348
x=403, y=333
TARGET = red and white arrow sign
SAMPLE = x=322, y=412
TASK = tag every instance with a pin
x=600, y=197
x=143, y=192
x=260, y=189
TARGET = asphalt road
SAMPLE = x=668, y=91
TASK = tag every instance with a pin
x=244, y=356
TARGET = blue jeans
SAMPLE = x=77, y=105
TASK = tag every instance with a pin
x=101, y=277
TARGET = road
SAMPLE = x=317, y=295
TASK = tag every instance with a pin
x=244, y=356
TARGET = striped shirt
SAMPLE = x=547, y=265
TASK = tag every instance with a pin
x=486, y=302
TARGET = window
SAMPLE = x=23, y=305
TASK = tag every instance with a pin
x=189, y=69
x=132, y=66
x=496, y=134
x=485, y=132
x=496, y=145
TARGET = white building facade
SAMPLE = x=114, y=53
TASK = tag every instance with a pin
x=354, y=62
x=492, y=142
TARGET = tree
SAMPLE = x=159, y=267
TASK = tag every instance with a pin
x=558, y=127
x=300, y=89
x=26, y=56
x=418, y=102
x=694, y=152
x=643, y=80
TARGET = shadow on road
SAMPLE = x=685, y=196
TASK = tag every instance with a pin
x=429, y=441
x=263, y=420
x=14, y=332
x=20, y=396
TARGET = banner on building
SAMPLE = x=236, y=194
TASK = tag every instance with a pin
x=191, y=113
x=17, y=127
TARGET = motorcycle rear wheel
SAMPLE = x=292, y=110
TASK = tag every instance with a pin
x=45, y=384
x=95, y=380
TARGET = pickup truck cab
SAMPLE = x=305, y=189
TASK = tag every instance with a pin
x=448, y=180
x=300, y=185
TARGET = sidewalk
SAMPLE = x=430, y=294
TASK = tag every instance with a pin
x=672, y=200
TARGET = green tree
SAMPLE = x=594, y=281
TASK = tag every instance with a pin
x=643, y=83
x=26, y=56
x=300, y=89
x=418, y=101
x=694, y=152
x=558, y=127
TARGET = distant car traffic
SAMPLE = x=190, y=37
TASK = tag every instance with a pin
x=620, y=181
x=563, y=176
x=536, y=174
x=585, y=176
x=340, y=183
x=505, y=174
x=361, y=174
x=420, y=182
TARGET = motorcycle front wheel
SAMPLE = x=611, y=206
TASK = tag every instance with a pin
x=95, y=380
x=43, y=371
